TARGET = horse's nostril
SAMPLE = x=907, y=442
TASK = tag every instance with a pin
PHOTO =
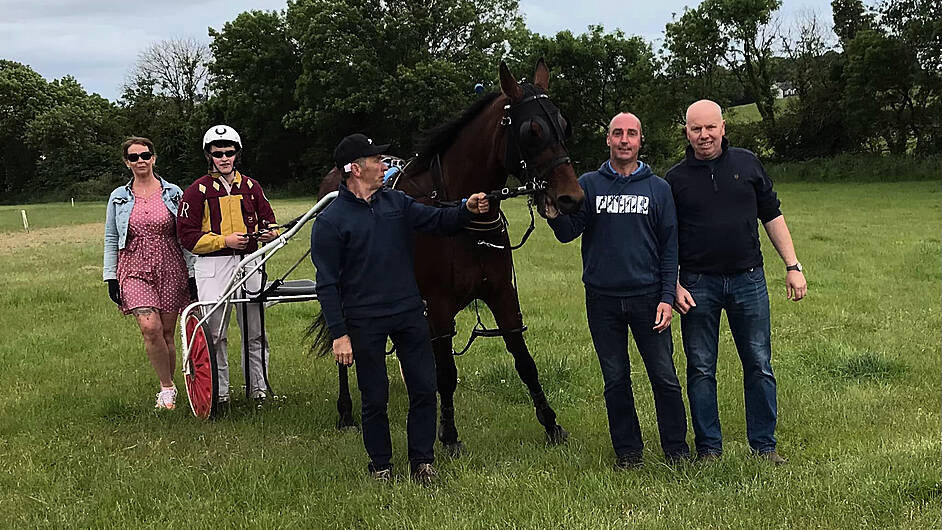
x=566, y=203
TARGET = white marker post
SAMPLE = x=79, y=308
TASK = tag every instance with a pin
x=25, y=222
x=73, y=202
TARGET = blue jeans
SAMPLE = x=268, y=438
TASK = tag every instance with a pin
x=745, y=297
x=609, y=321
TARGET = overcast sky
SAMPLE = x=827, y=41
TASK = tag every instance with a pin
x=98, y=41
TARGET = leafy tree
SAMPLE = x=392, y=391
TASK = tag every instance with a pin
x=880, y=87
x=737, y=33
x=917, y=25
x=177, y=69
x=596, y=75
x=850, y=17
x=390, y=68
x=748, y=26
x=78, y=138
x=254, y=73
x=54, y=137
x=23, y=95
x=812, y=124
x=693, y=44
x=163, y=100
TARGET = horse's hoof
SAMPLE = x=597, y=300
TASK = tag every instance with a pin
x=453, y=450
x=347, y=426
x=557, y=436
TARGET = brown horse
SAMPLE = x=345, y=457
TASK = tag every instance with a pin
x=518, y=131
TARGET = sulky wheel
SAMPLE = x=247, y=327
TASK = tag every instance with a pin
x=201, y=381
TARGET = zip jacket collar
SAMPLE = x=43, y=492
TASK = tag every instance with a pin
x=694, y=161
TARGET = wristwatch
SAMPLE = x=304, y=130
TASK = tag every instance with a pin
x=796, y=267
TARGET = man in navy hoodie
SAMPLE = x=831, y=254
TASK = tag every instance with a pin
x=361, y=246
x=629, y=256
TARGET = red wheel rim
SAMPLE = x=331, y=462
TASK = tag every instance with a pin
x=201, y=381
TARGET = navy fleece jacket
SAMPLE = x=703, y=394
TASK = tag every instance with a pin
x=718, y=203
x=363, y=253
x=629, y=233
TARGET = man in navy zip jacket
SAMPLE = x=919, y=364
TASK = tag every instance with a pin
x=629, y=257
x=720, y=192
x=361, y=245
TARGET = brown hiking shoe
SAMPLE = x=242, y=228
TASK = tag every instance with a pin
x=708, y=457
x=773, y=457
x=628, y=462
x=381, y=475
x=424, y=474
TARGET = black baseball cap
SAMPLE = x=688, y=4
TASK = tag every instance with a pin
x=353, y=147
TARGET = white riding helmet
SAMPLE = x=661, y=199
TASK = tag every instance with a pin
x=218, y=133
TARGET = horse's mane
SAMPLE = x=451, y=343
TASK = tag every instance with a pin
x=436, y=140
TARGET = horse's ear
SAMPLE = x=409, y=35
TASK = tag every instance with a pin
x=508, y=85
x=541, y=76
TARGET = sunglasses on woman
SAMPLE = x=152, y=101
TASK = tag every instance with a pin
x=132, y=157
x=228, y=154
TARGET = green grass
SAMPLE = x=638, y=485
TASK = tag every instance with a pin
x=50, y=215
x=858, y=366
x=859, y=167
x=749, y=112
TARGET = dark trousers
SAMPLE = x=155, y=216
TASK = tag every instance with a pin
x=409, y=334
x=609, y=321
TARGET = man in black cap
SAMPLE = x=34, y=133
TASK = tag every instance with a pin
x=361, y=245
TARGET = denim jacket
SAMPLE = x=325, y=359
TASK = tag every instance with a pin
x=120, y=204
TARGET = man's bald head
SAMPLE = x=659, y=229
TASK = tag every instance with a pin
x=624, y=141
x=624, y=119
x=705, y=108
x=705, y=129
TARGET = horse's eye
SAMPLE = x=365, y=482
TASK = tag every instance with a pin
x=530, y=129
x=565, y=126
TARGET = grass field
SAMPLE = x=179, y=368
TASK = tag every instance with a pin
x=749, y=112
x=858, y=365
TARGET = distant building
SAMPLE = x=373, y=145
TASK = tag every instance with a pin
x=783, y=89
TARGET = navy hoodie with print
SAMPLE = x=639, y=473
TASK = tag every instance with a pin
x=629, y=233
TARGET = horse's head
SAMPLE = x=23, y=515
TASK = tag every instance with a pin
x=536, y=141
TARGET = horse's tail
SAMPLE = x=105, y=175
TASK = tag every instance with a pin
x=319, y=336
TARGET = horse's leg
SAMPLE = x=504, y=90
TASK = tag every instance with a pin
x=344, y=403
x=441, y=319
x=447, y=373
x=506, y=309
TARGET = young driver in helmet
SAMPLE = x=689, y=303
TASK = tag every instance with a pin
x=218, y=213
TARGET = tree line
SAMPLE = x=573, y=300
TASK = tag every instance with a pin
x=293, y=82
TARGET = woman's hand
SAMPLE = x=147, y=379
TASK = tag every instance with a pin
x=191, y=286
x=114, y=292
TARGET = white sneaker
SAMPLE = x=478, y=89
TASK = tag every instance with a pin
x=167, y=398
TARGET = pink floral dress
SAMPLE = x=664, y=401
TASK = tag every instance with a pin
x=151, y=268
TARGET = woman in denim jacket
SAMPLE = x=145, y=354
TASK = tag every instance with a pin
x=144, y=266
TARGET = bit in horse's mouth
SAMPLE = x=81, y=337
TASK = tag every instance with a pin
x=544, y=200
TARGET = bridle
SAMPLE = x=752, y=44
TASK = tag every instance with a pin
x=517, y=118
x=533, y=177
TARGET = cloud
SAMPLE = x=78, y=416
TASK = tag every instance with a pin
x=98, y=42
